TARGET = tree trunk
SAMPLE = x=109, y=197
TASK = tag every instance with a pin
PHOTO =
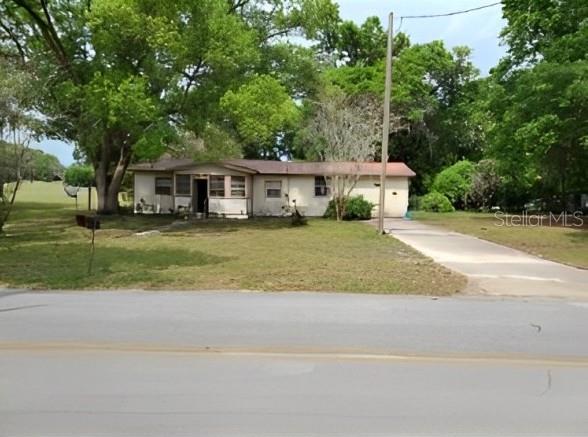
x=107, y=189
x=9, y=203
x=108, y=185
x=108, y=202
x=107, y=192
x=340, y=202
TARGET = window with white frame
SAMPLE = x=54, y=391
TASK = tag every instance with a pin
x=183, y=184
x=237, y=186
x=321, y=186
x=273, y=189
x=163, y=186
x=217, y=186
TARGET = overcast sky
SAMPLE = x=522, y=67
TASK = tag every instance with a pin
x=478, y=30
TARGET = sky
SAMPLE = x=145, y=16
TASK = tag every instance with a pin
x=479, y=30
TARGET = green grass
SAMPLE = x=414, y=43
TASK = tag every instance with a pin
x=52, y=193
x=563, y=244
x=42, y=248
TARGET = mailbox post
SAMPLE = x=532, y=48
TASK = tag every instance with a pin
x=92, y=223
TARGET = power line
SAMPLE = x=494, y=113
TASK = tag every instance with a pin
x=448, y=14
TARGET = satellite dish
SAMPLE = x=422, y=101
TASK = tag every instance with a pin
x=71, y=191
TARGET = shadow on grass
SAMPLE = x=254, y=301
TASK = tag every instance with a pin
x=66, y=265
x=172, y=225
x=55, y=227
x=34, y=211
x=214, y=226
x=136, y=223
x=31, y=216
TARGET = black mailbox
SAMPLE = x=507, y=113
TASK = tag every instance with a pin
x=86, y=221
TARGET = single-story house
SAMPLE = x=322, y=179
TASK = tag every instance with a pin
x=239, y=188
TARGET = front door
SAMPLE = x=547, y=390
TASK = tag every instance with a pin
x=200, y=195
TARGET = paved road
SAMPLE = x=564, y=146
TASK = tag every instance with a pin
x=491, y=268
x=220, y=363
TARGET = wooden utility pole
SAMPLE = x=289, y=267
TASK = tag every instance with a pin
x=386, y=125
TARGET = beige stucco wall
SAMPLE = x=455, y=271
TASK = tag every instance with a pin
x=301, y=189
x=230, y=207
x=268, y=206
x=145, y=189
x=183, y=201
x=298, y=188
x=396, y=194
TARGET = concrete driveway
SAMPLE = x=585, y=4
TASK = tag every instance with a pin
x=491, y=268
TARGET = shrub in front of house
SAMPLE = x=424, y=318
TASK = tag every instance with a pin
x=356, y=208
x=436, y=202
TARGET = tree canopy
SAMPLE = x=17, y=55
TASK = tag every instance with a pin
x=119, y=78
x=538, y=99
x=128, y=80
x=529, y=117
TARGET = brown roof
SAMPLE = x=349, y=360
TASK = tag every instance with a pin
x=322, y=168
x=285, y=167
x=166, y=164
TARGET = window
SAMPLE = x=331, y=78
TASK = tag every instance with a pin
x=217, y=186
x=273, y=189
x=163, y=186
x=320, y=186
x=183, y=184
x=237, y=186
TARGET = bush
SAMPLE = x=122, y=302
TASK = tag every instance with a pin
x=455, y=182
x=436, y=202
x=356, y=208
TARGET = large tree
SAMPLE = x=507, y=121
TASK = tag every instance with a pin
x=260, y=110
x=347, y=43
x=17, y=128
x=432, y=92
x=119, y=78
x=538, y=97
x=345, y=129
x=43, y=167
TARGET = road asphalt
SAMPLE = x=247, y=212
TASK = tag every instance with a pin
x=492, y=269
x=267, y=364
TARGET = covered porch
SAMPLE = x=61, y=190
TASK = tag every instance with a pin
x=202, y=190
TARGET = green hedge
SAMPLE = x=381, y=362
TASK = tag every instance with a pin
x=356, y=208
x=436, y=202
x=455, y=183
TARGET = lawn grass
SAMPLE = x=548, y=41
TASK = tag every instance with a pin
x=562, y=244
x=52, y=193
x=42, y=248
